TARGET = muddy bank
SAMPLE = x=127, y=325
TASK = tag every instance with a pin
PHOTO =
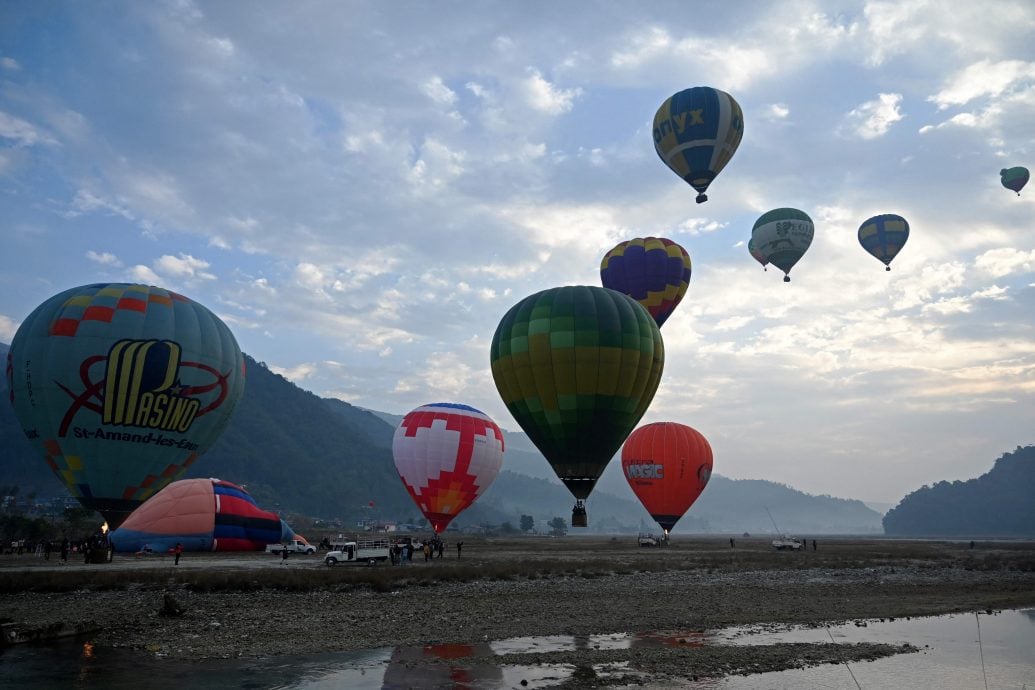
x=570, y=592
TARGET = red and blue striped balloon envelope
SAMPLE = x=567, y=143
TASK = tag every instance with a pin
x=654, y=271
x=202, y=515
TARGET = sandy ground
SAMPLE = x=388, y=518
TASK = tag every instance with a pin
x=505, y=588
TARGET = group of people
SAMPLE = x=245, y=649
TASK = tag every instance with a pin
x=401, y=552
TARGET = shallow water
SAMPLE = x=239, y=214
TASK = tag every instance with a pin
x=950, y=657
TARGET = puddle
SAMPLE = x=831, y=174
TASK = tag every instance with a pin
x=950, y=657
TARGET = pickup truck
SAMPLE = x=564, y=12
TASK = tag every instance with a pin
x=647, y=540
x=783, y=542
x=369, y=551
x=293, y=546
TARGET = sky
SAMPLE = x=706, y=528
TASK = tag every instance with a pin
x=361, y=190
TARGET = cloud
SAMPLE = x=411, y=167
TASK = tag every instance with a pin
x=7, y=328
x=143, y=274
x=873, y=118
x=984, y=78
x=103, y=258
x=21, y=132
x=299, y=372
x=10, y=64
x=1004, y=261
x=183, y=266
x=545, y=97
x=437, y=91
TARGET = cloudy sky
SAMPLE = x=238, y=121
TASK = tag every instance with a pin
x=362, y=189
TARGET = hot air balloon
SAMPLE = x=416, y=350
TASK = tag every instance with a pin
x=781, y=237
x=653, y=271
x=203, y=515
x=696, y=132
x=1014, y=178
x=757, y=255
x=447, y=455
x=121, y=387
x=577, y=367
x=667, y=465
x=884, y=236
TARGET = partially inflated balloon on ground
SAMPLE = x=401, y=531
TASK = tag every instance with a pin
x=121, y=387
x=1014, y=178
x=654, y=271
x=696, y=132
x=667, y=466
x=884, y=236
x=577, y=367
x=447, y=455
x=202, y=515
x=782, y=237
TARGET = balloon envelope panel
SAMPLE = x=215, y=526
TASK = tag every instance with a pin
x=203, y=515
x=447, y=455
x=654, y=271
x=667, y=466
x=696, y=132
x=884, y=236
x=782, y=236
x=121, y=387
x=577, y=367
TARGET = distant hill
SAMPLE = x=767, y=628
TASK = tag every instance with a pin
x=1000, y=502
x=298, y=453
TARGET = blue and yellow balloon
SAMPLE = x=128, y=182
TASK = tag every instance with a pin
x=696, y=132
x=121, y=387
x=884, y=236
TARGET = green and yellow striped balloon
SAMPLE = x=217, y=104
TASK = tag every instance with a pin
x=577, y=367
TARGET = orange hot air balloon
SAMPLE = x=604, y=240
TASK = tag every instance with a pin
x=667, y=465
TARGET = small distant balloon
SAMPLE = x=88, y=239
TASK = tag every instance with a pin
x=696, y=132
x=654, y=271
x=782, y=236
x=884, y=236
x=757, y=255
x=1014, y=178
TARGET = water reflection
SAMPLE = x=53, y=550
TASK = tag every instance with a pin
x=951, y=657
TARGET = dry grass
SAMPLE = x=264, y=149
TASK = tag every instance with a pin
x=528, y=558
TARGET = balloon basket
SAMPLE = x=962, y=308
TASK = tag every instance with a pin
x=99, y=554
x=578, y=515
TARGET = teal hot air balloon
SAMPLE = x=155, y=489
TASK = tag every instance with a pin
x=884, y=236
x=577, y=367
x=1014, y=179
x=121, y=387
x=782, y=236
x=696, y=132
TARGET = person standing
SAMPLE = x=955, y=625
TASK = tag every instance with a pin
x=177, y=550
x=283, y=554
x=64, y=550
x=459, y=545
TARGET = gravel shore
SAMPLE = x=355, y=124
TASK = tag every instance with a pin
x=679, y=592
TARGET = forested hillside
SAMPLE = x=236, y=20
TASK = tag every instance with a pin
x=1000, y=502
